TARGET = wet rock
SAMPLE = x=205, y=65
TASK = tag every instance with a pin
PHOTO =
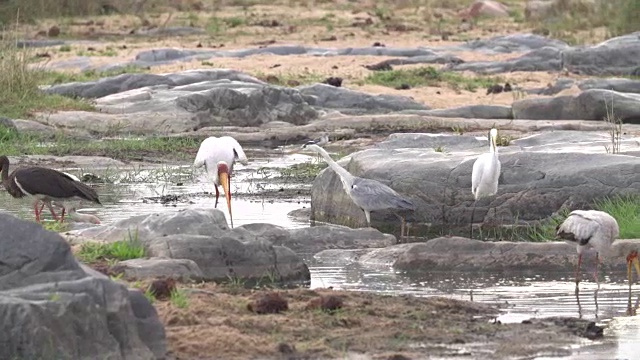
x=463, y=254
x=202, y=235
x=588, y=105
x=533, y=185
x=473, y=112
x=317, y=238
x=141, y=269
x=355, y=102
x=49, y=301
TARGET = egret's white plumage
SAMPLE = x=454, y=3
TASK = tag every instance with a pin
x=485, y=174
x=486, y=170
x=218, y=155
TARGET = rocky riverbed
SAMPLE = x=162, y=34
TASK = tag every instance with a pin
x=409, y=106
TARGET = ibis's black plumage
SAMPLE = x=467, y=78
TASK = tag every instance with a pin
x=43, y=184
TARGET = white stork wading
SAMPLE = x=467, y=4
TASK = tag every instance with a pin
x=218, y=156
x=597, y=230
x=485, y=174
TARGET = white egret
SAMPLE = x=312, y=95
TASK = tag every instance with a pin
x=218, y=156
x=485, y=174
x=369, y=195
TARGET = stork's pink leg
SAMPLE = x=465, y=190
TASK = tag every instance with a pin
x=578, y=269
x=217, y=196
x=35, y=211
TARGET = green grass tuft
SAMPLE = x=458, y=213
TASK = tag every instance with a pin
x=91, y=252
x=429, y=76
x=179, y=299
x=626, y=210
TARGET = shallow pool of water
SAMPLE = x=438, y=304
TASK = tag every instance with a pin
x=256, y=199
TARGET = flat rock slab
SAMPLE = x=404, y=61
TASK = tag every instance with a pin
x=71, y=161
x=616, y=56
x=592, y=104
x=462, y=254
x=54, y=308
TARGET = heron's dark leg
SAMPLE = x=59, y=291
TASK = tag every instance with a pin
x=595, y=273
x=217, y=196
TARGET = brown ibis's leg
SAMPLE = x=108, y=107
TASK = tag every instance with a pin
x=217, y=196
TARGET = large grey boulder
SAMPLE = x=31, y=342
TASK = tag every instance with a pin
x=212, y=250
x=463, y=254
x=54, y=309
x=616, y=56
x=534, y=184
x=592, y=104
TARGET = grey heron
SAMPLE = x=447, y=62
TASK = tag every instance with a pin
x=369, y=195
x=485, y=174
x=594, y=229
x=218, y=156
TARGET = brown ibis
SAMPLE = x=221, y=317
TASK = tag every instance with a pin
x=44, y=184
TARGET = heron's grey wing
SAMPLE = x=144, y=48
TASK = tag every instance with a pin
x=372, y=195
x=608, y=223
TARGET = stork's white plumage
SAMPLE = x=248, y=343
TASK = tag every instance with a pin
x=485, y=174
x=218, y=155
x=593, y=229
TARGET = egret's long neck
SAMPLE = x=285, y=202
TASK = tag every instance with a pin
x=493, y=149
x=345, y=176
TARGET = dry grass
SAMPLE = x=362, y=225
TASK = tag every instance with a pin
x=368, y=323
